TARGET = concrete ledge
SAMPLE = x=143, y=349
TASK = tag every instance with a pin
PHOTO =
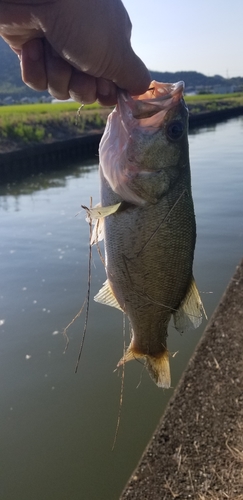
x=208, y=117
x=197, y=449
x=19, y=164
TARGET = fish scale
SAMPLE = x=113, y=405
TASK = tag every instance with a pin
x=156, y=266
x=148, y=222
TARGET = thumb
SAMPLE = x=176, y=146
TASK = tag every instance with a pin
x=132, y=75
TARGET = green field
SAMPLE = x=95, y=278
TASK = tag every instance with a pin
x=24, y=124
x=46, y=108
x=34, y=123
x=213, y=102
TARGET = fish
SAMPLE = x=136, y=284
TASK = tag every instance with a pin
x=146, y=218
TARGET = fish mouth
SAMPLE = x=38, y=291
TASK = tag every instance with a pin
x=149, y=109
x=157, y=97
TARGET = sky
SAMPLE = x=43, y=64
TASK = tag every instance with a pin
x=189, y=35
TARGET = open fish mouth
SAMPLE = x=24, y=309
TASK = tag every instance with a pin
x=150, y=108
x=160, y=92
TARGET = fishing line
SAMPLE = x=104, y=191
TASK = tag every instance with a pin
x=162, y=222
x=141, y=374
x=87, y=300
x=70, y=324
x=81, y=310
x=122, y=382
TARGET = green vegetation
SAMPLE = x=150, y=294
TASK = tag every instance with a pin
x=213, y=102
x=25, y=124
x=45, y=108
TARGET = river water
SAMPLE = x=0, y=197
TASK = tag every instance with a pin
x=57, y=427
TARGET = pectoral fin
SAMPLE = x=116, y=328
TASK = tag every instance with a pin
x=191, y=310
x=97, y=214
x=107, y=297
x=98, y=232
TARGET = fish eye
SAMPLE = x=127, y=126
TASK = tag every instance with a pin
x=175, y=130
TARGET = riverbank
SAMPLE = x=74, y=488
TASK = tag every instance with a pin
x=28, y=125
x=39, y=158
x=68, y=144
x=197, y=450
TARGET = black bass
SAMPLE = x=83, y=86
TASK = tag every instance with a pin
x=147, y=220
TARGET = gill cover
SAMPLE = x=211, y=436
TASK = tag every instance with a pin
x=131, y=116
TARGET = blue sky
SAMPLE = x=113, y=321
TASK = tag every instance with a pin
x=205, y=36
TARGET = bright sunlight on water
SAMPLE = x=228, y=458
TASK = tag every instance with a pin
x=57, y=427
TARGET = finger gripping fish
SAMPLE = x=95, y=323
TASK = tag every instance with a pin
x=148, y=223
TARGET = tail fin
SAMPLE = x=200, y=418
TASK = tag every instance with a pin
x=158, y=367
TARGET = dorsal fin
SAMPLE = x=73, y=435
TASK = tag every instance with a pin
x=106, y=296
x=191, y=310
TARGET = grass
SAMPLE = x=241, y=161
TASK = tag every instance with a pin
x=45, y=108
x=215, y=97
x=35, y=123
x=213, y=102
x=24, y=124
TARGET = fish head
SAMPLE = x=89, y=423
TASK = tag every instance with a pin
x=145, y=146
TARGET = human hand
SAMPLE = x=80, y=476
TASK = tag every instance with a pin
x=76, y=48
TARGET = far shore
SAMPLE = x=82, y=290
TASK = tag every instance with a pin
x=67, y=143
